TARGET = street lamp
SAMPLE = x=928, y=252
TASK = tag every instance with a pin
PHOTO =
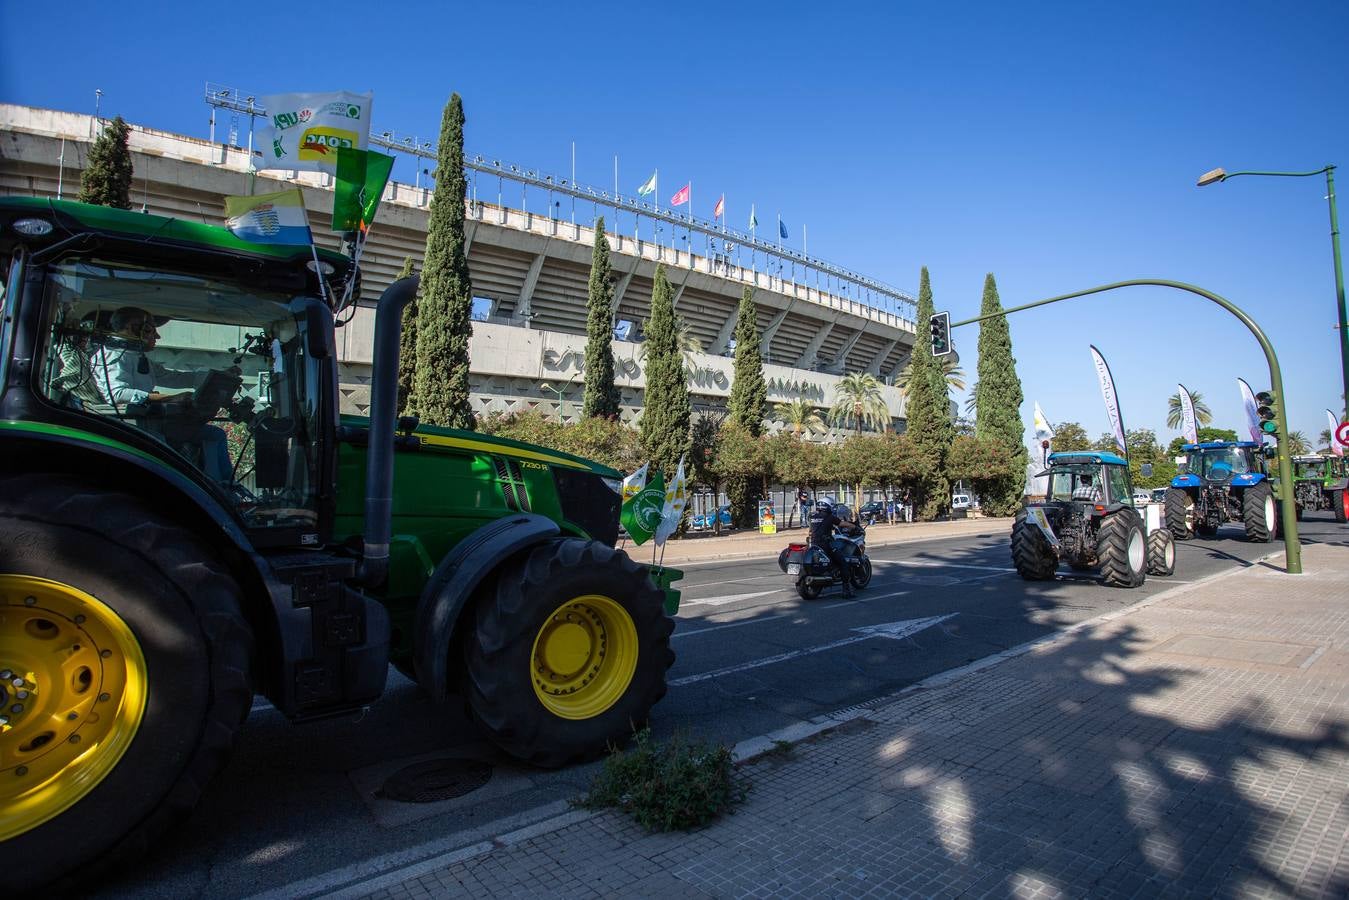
x=554, y=389
x=1219, y=174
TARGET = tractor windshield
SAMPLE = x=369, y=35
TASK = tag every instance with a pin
x=1220, y=463
x=217, y=373
x=1313, y=468
x=1075, y=483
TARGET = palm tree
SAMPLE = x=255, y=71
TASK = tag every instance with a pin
x=1297, y=443
x=1174, y=415
x=858, y=399
x=1324, y=438
x=799, y=415
x=950, y=370
x=688, y=346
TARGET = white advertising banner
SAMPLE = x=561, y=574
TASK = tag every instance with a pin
x=1111, y=399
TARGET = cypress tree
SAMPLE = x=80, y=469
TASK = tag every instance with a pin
x=601, y=394
x=440, y=389
x=407, y=344
x=997, y=398
x=106, y=181
x=929, y=415
x=748, y=405
x=667, y=410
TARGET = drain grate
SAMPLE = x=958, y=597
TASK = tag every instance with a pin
x=435, y=779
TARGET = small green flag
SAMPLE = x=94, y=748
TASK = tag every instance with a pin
x=361, y=177
x=641, y=512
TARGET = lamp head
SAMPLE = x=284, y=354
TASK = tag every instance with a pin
x=1211, y=176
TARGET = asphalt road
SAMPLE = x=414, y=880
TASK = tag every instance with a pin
x=303, y=810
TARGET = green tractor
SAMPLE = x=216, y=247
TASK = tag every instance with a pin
x=1321, y=482
x=166, y=552
x=1088, y=519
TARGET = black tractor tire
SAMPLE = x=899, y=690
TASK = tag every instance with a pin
x=1179, y=509
x=1122, y=548
x=1032, y=555
x=1161, y=553
x=861, y=572
x=1297, y=511
x=1339, y=504
x=164, y=591
x=807, y=590
x=1259, y=513
x=609, y=606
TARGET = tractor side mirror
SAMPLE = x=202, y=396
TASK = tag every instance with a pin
x=1146, y=470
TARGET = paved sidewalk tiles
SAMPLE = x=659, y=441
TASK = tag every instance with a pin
x=1196, y=745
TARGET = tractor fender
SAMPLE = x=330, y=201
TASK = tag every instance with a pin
x=453, y=582
x=1185, y=481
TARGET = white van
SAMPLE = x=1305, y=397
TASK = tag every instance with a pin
x=960, y=501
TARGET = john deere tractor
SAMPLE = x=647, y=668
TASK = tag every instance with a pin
x=1223, y=481
x=186, y=520
x=1088, y=519
x=1321, y=482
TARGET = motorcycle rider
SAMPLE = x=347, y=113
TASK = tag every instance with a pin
x=823, y=521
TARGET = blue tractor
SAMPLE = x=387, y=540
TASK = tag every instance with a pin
x=1223, y=481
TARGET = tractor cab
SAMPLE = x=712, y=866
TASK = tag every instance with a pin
x=1099, y=481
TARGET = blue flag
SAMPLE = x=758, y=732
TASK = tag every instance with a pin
x=782, y=229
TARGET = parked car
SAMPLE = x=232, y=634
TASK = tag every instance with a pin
x=870, y=512
x=1141, y=496
x=704, y=521
x=960, y=501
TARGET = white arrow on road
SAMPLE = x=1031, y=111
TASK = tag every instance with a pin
x=896, y=630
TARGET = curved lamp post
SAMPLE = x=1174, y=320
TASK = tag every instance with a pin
x=1288, y=515
x=1217, y=175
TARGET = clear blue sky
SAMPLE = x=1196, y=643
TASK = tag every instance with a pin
x=1054, y=144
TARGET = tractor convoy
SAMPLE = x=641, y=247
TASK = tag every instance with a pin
x=1321, y=483
x=166, y=553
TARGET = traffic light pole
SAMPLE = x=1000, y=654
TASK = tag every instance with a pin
x=1293, y=547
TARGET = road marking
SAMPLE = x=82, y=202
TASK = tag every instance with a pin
x=896, y=630
x=938, y=565
x=697, y=631
x=866, y=599
x=729, y=598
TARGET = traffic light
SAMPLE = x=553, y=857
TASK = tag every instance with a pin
x=940, y=326
x=1264, y=408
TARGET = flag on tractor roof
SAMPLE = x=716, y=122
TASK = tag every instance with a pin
x=361, y=177
x=305, y=131
x=277, y=218
x=641, y=514
x=676, y=498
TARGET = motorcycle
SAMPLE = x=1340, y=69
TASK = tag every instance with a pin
x=814, y=571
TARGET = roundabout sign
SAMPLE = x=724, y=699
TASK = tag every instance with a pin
x=1342, y=434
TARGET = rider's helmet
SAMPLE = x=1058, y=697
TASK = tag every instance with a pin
x=824, y=505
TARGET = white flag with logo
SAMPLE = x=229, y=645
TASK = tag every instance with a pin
x=1044, y=432
x=633, y=484
x=1252, y=414
x=1188, y=426
x=676, y=497
x=1335, y=446
x=305, y=131
x=1110, y=398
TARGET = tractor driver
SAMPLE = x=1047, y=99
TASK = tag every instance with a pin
x=1086, y=489
x=823, y=521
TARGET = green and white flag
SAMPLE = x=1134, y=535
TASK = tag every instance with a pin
x=641, y=514
x=361, y=177
x=649, y=187
x=753, y=219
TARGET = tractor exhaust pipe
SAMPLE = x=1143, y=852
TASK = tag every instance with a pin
x=374, y=565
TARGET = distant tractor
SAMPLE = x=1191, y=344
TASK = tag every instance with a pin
x=1088, y=519
x=1223, y=481
x=1321, y=482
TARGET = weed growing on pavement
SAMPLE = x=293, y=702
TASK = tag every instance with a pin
x=677, y=785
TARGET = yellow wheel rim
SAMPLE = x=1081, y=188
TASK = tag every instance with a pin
x=72, y=695
x=584, y=657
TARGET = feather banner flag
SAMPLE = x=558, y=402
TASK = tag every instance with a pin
x=277, y=218
x=305, y=131
x=1335, y=446
x=1111, y=399
x=676, y=497
x=641, y=514
x=1252, y=415
x=1188, y=426
x=1044, y=432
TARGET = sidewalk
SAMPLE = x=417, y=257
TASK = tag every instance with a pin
x=704, y=546
x=1196, y=744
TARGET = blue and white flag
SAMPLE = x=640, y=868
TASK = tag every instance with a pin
x=782, y=229
x=1111, y=400
x=278, y=218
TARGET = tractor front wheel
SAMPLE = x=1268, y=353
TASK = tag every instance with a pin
x=569, y=654
x=1121, y=546
x=1180, y=513
x=1031, y=554
x=1161, y=553
x=125, y=664
x=1259, y=513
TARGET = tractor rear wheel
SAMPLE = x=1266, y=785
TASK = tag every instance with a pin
x=1031, y=554
x=569, y=654
x=1122, y=548
x=1161, y=553
x=1339, y=502
x=126, y=675
x=1180, y=513
x=1259, y=513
